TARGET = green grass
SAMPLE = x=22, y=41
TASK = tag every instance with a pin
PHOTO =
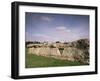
x=33, y=61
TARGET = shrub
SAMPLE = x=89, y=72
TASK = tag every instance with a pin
x=51, y=46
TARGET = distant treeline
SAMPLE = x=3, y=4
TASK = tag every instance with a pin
x=37, y=42
x=33, y=42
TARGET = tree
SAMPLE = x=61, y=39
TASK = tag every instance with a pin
x=57, y=41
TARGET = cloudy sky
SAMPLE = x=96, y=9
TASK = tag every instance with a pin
x=55, y=27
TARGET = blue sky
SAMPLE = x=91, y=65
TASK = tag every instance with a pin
x=55, y=27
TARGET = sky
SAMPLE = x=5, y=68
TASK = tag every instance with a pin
x=55, y=27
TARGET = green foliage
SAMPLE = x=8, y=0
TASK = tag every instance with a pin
x=57, y=41
x=82, y=44
x=36, y=42
x=28, y=42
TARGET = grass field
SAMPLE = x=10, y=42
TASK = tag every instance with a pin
x=33, y=61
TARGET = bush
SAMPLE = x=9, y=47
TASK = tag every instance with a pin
x=82, y=44
x=51, y=46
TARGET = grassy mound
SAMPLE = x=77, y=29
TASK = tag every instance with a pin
x=33, y=61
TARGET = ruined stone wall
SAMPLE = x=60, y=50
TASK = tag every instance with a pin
x=68, y=53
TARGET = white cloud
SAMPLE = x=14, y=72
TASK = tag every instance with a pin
x=41, y=35
x=63, y=29
x=46, y=18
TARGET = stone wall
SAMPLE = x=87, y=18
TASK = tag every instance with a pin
x=69, y=53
